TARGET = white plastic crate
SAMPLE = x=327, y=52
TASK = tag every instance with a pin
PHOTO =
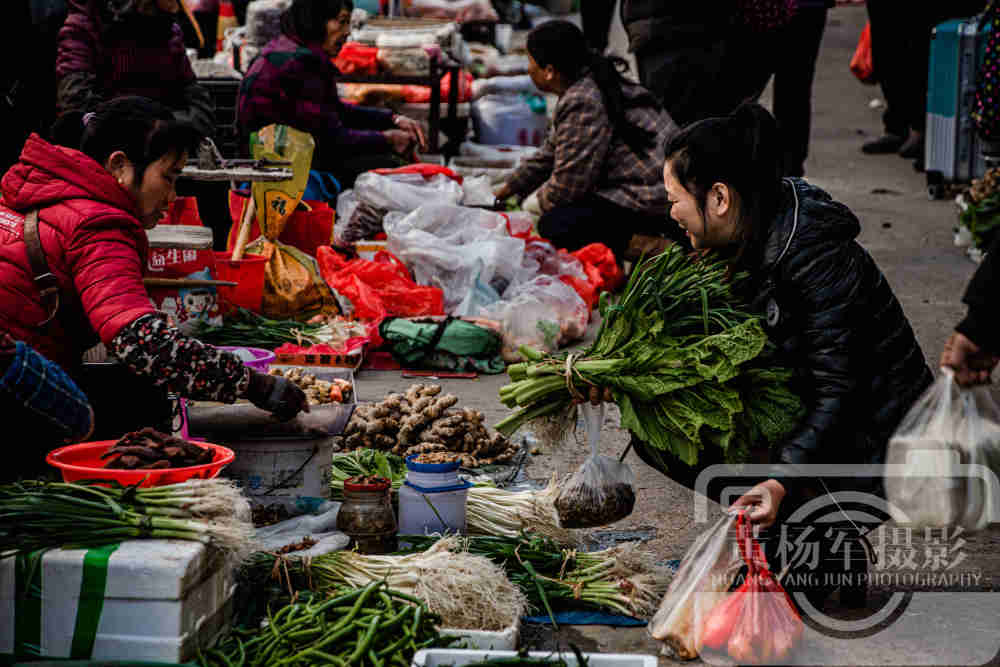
x=483, y=640
x=161, y=598
x=439, y=657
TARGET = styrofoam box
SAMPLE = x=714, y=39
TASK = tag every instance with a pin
x=438, y=657
x=162, y=598
x=504, y=640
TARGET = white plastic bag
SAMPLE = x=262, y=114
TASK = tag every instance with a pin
x=601, y=490
x=520, y=83
x=477, y=191
x=263, y=20
x=405, y=192
x=945, y=432
x=707, y=571
x=543, y=313
x=508, y=119
x=456, y=248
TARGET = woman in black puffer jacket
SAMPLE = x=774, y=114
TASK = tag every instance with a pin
x=828, y=308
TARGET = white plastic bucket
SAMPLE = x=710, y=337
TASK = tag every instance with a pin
x=423, y=513
x=291, y=473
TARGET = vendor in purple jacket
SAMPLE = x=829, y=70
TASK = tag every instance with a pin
x=114, y=48
x=294, y=82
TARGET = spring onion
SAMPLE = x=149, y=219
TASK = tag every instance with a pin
x=41, y=515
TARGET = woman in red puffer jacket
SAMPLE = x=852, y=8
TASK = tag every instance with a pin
x=93, y=206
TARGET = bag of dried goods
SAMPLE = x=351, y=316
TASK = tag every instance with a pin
x=601, y=491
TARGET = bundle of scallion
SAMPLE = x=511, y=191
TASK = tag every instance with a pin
x=686, y=363
x=247, y=329
x=467, y=591
x=502, y=513
x=41, y=515
x=623, y=579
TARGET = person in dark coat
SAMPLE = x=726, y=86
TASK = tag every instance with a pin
x=973, y=350
x=788, y=53
x=680, y=49
x=827, y=307
x=114, y=48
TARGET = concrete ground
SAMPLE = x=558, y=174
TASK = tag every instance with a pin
x=911, y=238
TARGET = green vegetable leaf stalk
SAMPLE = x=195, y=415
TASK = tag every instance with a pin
x=687, y=363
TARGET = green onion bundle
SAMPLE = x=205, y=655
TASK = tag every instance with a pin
x=688, y=365
x=623, y=579
x=42, y=515
x=248, y=329
x=467, y=591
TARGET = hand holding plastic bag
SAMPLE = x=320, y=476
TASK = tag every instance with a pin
x=947, y=455
x=757, y=623
x=705, y=575
x=601, y=491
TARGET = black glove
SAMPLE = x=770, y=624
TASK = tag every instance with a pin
x=277, y=395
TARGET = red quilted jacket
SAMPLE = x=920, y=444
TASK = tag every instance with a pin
x=94, y=244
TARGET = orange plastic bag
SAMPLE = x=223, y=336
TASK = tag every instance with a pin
x=757, y=623
x=862, y=65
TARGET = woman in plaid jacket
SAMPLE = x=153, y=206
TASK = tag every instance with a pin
x=598, y=174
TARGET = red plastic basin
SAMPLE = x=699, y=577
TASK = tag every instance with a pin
x=83, y=461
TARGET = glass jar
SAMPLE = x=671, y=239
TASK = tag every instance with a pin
x=366, y=515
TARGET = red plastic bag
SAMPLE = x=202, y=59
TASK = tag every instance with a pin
x=601, y=257
x=182, y=211
x=862, y=65
x=306, y=230
x=379, y=288
x=424, y=169
x=422, y=94
x=355, y=58
x=757, y=623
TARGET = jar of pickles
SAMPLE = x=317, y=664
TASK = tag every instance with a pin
x=366, y=515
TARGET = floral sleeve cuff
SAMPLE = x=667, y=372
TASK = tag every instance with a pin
x=187, y=367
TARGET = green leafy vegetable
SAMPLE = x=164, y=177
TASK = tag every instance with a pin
x=688, y=365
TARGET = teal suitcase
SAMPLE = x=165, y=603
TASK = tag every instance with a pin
x=952, y=151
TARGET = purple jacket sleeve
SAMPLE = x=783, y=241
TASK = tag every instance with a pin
x=299, y=93
x=78, y=41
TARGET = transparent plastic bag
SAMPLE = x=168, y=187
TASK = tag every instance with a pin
x=601, y=490
x=458, y=249
x=405, y=192
x=707, y=571
x=544, y=313
x=757, y=623
x=945, y=432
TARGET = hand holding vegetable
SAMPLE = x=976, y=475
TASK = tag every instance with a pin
x=276, y=395
x=972, y=365
x=765, y=499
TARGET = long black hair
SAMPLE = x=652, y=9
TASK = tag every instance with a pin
x=741, y=150
x=307, y=19
x=139, y=127
x=562, y=45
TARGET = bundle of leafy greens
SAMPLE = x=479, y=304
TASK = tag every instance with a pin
x=688, y=365
x=365, y=462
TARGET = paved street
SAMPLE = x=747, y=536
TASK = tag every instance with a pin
x=911, y=238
